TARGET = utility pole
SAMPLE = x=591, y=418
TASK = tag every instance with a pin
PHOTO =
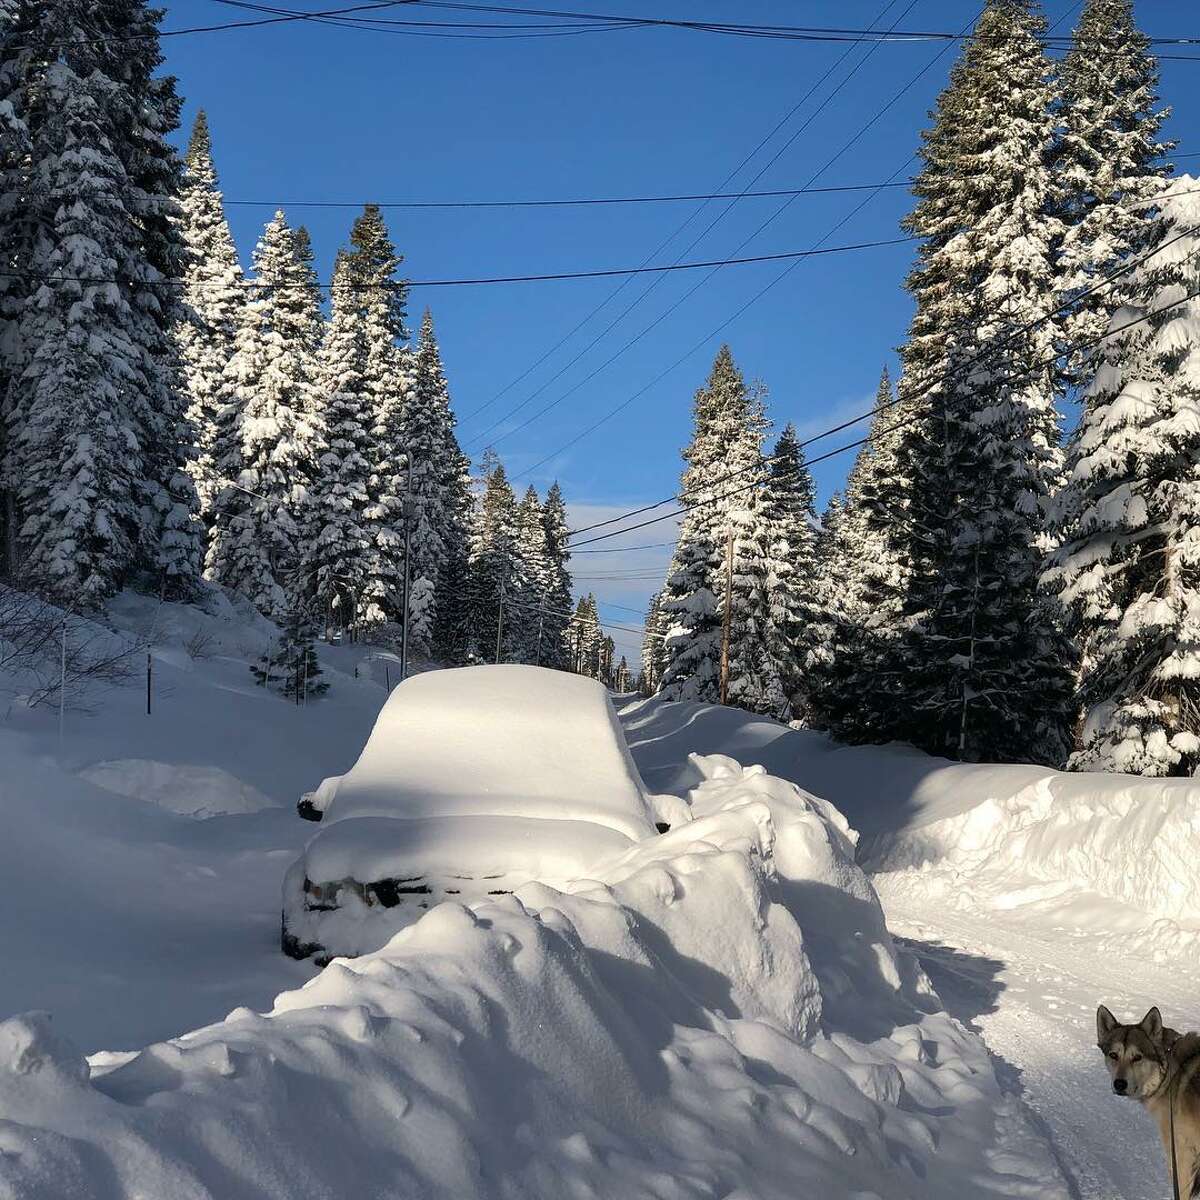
x=500, y=621
x=408, y=521
x=727, y=621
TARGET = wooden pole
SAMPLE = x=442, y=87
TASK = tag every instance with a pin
x=728, y=618
x=149, y=677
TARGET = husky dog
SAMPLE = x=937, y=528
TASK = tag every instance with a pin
x=1159, y=1068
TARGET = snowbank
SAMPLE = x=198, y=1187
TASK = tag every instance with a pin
x=722, y=1014
x=1096, y=852
x=191, y=790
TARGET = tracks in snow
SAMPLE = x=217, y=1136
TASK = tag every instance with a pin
x=1031, y=992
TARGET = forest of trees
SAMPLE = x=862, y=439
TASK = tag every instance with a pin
x=984, y=588
x=167, y=419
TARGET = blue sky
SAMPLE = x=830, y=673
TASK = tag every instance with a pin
x=304, y=112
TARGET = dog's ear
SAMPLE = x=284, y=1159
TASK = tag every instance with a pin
x=1105, y=1024
x=1152, y=1025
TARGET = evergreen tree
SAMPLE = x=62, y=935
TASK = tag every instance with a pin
x=1127, y=571
x=265, y=444
x=1109, y=162
x=336, y=564
x=214, y=295
x=534, y=582
x=371, y=266
x=587, y=639
x=622, y=679
x=857, y=603
x=308, y=284
x=495, y=572
x=722, y=548
x=652, y=646
x=554, y=648
x=692, y=633
x=77, y=480
x=14, y=190
x=171, y=544
x=427, y=432
x=96, y=495
x=981, y=671
x=292, y=667
x=789, y=509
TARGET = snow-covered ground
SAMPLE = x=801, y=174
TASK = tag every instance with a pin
x=1029, y=896
x=720, y=1011
x=141, y=855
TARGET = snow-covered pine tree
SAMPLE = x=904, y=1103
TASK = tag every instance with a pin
x=337, y=558
x=692, y=625
x=587, y=638
x=495, y=572
x=788, y=504
x=427, y=432
x=291, y=667
x=555, y=651
x=453, y=488
x=74, y=449
x=1127, y=570
x=310, y=289
x=622, y=678
x=371, y=266
x=135, y=523
x=857, y=613
x=652, y=647
x=729, y=425
x=982, y=671
x=171, y=547
x=1109, y=163
x=265, y=444
x=214, y=296
x=534, y=583
x=15, y=57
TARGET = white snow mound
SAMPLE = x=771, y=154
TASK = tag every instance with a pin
x=721, y=1014
x=190, y=790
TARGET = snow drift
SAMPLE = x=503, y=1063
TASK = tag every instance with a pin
x=721, y=1014
x=1104, y=852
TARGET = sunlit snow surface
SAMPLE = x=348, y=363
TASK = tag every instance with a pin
x=720, y=1012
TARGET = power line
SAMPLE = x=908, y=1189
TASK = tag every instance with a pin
x=627, y=549
x=812, y=90
x=760, y=293
x=574, y=202
x=500, y=279
x=582, y=22
x=541, y=412
x=763, y=291
x=977, y=361
x=898, y=424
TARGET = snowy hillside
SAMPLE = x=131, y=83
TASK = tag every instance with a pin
x=142, y=854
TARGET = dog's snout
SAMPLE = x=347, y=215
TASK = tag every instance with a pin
x=1120, y=1086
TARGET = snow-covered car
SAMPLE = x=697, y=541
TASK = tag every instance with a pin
x=473, y=782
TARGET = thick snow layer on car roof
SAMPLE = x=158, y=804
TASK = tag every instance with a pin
x=366, y=848
x=465, y=743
